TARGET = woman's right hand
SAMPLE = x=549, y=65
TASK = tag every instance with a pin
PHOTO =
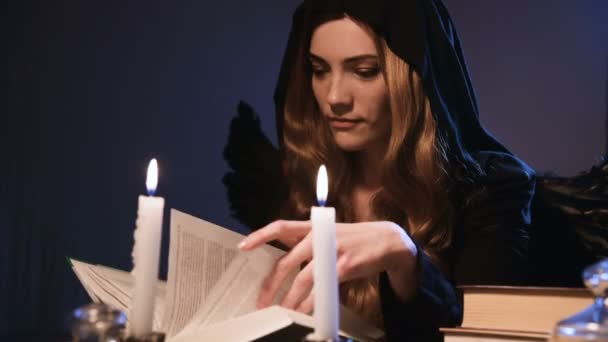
x=364, y=249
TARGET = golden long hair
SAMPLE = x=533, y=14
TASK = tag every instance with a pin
x=414, y=178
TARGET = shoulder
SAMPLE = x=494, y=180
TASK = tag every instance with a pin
x=491, y=244
x=504, y=190
x=500, y=167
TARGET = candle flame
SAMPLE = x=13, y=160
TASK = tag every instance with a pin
x=322, y=186
x=152, y=178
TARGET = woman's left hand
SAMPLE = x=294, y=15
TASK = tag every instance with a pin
x=363, y=250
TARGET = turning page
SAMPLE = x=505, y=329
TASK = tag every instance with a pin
x=237, y=290
x=199, y=252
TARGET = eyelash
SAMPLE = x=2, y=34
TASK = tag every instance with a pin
x=318, y=71
x=363, y=73
x=367, y=73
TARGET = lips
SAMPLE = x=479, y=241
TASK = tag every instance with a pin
x=343, y=123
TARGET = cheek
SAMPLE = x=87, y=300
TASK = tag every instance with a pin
x=318, y=90
x=374, y=103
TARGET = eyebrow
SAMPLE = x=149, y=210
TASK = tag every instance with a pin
x=348, y=60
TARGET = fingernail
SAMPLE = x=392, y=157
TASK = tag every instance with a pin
x=242, y=244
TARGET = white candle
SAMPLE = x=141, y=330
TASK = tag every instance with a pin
x=146, y=255
x=326, y=314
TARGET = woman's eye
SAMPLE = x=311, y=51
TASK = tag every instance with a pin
x=367, y=73
x=318, y=71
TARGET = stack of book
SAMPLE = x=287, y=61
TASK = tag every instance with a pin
x=515, y=314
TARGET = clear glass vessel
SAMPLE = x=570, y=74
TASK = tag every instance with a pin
x=97, y=322
x=591, y=324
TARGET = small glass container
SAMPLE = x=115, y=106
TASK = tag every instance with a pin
x=591, y=324
x=97, y=322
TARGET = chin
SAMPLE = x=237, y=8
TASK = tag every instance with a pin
x=349, y=143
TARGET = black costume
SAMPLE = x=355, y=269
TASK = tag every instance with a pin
x=491, y=188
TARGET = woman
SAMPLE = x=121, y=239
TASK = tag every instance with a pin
x=427, y=199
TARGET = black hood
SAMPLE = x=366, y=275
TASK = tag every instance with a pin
x=420, y=32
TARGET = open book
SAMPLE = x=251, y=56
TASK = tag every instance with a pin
x=211, y=290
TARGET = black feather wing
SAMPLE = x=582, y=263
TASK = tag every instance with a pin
x=570, y=225
x=254, y=182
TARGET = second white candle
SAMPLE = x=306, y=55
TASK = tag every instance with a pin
x=326, y=301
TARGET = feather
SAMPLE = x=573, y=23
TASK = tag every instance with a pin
x=253, y=184
x=570, y=225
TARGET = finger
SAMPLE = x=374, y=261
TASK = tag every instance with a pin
x=288, y=232
x=348, y=235
x=307, y=304
x=300, y=289
x=347, y=268
x=282, y=268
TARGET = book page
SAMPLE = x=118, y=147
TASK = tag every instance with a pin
x=111, y=294
x=123, y=283
x=81, y=272
x=261, y=323
x=199, y=252
x=115, y=288
x=248, y=327
x=103, y=290
x=237, y=291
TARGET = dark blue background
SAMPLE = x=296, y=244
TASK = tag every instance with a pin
x=93, y=89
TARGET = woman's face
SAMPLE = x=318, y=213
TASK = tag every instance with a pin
x=348, y=85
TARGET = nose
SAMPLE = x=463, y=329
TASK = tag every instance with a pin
x=339, y=96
